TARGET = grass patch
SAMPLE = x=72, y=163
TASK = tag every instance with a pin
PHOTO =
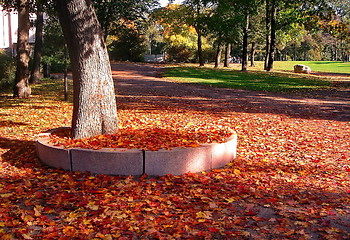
x=48, y=89
x=257, y=81
x=316, y=66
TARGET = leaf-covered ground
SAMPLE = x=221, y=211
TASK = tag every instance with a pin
x=151, y=138
x=291, y=179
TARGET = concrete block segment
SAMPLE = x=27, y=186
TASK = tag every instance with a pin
x=135, y=162
x=223, y=153
x=177, y=161
x=53, y=156
x=108, y=161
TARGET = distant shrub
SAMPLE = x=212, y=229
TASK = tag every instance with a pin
x=180, y=54
x=127, y=45
x=209, y=54
x=56, y=63
x=7, y=71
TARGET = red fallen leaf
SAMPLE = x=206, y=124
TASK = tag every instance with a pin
x=331, y=213
x=147, y=138
x=258, y=218
x=213, y=229
x=250, y=213
x=271, y=200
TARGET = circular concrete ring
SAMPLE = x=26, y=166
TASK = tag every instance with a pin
x=121, y=161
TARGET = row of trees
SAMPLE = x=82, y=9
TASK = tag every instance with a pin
x=94, y=105
x=202, y=24
x=198, y=30
x=293, y=30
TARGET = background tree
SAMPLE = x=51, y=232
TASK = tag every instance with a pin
x=22, y=88
x=256, y=33
x=180, y=36
x=124, y=25
x=334, y=20
x=248, y=9
x=53, y=46
x=39, y=27
x=127, y=44
x=94, y=104
x=223, y=24
x=153, y=36
x=112, y=14
x=198, y=11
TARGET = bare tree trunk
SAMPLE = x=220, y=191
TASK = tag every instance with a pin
x=94, y=103
x=273, y=37
x=245, y=44
x=35, y=75
x=252, y=54
x=218, y=54
x=295, y=52
x=200, y=49
x=227, y=55
x=199, y=39
x=21, y=88
x=65, y=76
x=268, y=30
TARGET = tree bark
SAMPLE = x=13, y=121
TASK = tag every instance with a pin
x=295, y=52
x=227, y=55
x=94, y=103
x=268, y=30
x=245, y=44
x=252, y=54
x=218, y=54
x=200, y=49
x=65, y=75
x=35, y=75
x=272, y=37
x=199, y=40
x=21, y=88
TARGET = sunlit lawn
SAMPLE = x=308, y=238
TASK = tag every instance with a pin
x=317, y=66
x=251, y=80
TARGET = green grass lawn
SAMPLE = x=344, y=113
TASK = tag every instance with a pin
x=252, y=80
x=316, y=66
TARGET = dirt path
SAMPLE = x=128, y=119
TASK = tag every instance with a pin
x=142, y=83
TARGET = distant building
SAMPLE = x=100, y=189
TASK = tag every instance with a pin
x=8, y=30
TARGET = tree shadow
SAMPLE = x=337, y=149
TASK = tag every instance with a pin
x=20, y=153
x=139, y=86
x=10, y=123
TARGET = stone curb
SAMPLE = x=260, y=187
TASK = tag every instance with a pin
x=137, y=162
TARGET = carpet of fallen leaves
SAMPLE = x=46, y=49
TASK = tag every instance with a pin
x=291, y=180
x=151, y=138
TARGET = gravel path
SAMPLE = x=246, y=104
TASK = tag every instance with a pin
x=143, y=83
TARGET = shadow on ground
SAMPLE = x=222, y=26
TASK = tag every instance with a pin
x=19, y=153
x=141, y=85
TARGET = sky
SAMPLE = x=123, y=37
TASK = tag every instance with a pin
x=165, y=2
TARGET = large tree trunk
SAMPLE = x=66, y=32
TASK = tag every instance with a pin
x=94, y=103
x=245, y=44
x=21, y=88
x=252, y=54
x=218, y=54
x=272, y=37
x=35, y=75
x=227, y=55
x=200, y=49
x=268, y=30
